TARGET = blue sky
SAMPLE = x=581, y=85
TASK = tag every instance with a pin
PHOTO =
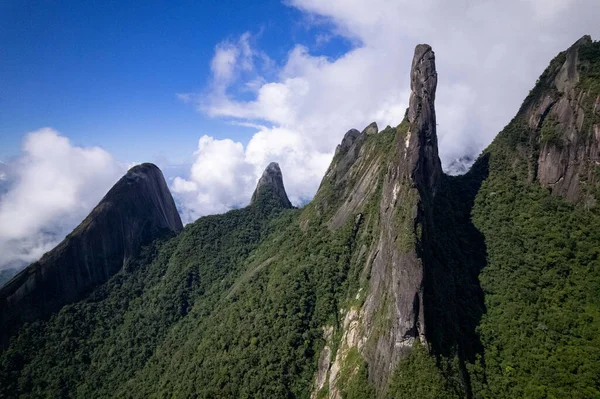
x=106, y=73
x=214, y=91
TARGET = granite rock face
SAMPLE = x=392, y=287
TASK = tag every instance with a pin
x=371, y=129
x=347, y=141
x=423, y=149
x=138, y=209
x=566, y=119
x=271, y=183
x=387, y=189
x=412, y=179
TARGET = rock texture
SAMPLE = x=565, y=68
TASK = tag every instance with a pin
x=371, y=129
x=389, y=188
x=423, y=150
x=271, y=183
x=412, y=179
x=566, y=118
x=349, y=139
x=354, y=171
x=138, y=209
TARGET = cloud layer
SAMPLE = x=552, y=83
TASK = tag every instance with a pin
x=489, y=54
x=49, y=189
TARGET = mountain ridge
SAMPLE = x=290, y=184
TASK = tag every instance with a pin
x=395, y=281
x=139, y=203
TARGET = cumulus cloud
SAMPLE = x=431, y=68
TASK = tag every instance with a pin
x=53, y=186
x=224, y=173
x=489, y=54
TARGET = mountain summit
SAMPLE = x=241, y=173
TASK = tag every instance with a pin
x=271, y=184
x=422, y=142
x=138, y=209
x=563, y=112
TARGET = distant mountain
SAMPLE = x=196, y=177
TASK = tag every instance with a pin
x=6, y=274
x=460, y=166
x=396, y=281
x=136, y=211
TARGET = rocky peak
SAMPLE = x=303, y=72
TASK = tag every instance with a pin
x=349, y=139
x=562, y=117
x=137, y=210
x=568, y=75
x=371, y=129
x=271, y=181
x=147, y=179
x=426, y=169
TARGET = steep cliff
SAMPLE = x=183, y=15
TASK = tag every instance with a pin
x=137, y=209
x=389, y=188
x=563, y=113
x=536, y=210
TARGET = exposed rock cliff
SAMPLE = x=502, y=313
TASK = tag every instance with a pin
x=271, y=184
x=423, y=156
x=564, y=112
x=397, y=270
x=387, y=186
x=138, y=209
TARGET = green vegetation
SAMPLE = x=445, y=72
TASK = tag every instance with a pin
x=418, y=376
x=93, y=347
x=549, y=133
x=541, y=286
x=353, y=378
x=590, y=68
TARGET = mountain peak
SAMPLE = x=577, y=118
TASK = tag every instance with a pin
x=561, y=115
x=422, y=142
x=568, y=75
x=271, y=181
x=371, y=129
x=138, y=209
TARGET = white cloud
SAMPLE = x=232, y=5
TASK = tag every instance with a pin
x=489, y=54
x=223, y=62
x=54, y=186
x=225, y=173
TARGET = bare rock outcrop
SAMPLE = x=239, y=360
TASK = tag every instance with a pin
x=566, y=119
x=400, y=177
x=371, y=129
x=271, y=184
x=409, y=186
x=423, y=149
x=138, y=209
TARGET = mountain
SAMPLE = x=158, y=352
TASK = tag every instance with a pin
x=271, y=184
x=6, y=275
x=395, y=281
x=137, y=210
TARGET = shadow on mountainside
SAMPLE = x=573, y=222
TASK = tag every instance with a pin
x=454, y=254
